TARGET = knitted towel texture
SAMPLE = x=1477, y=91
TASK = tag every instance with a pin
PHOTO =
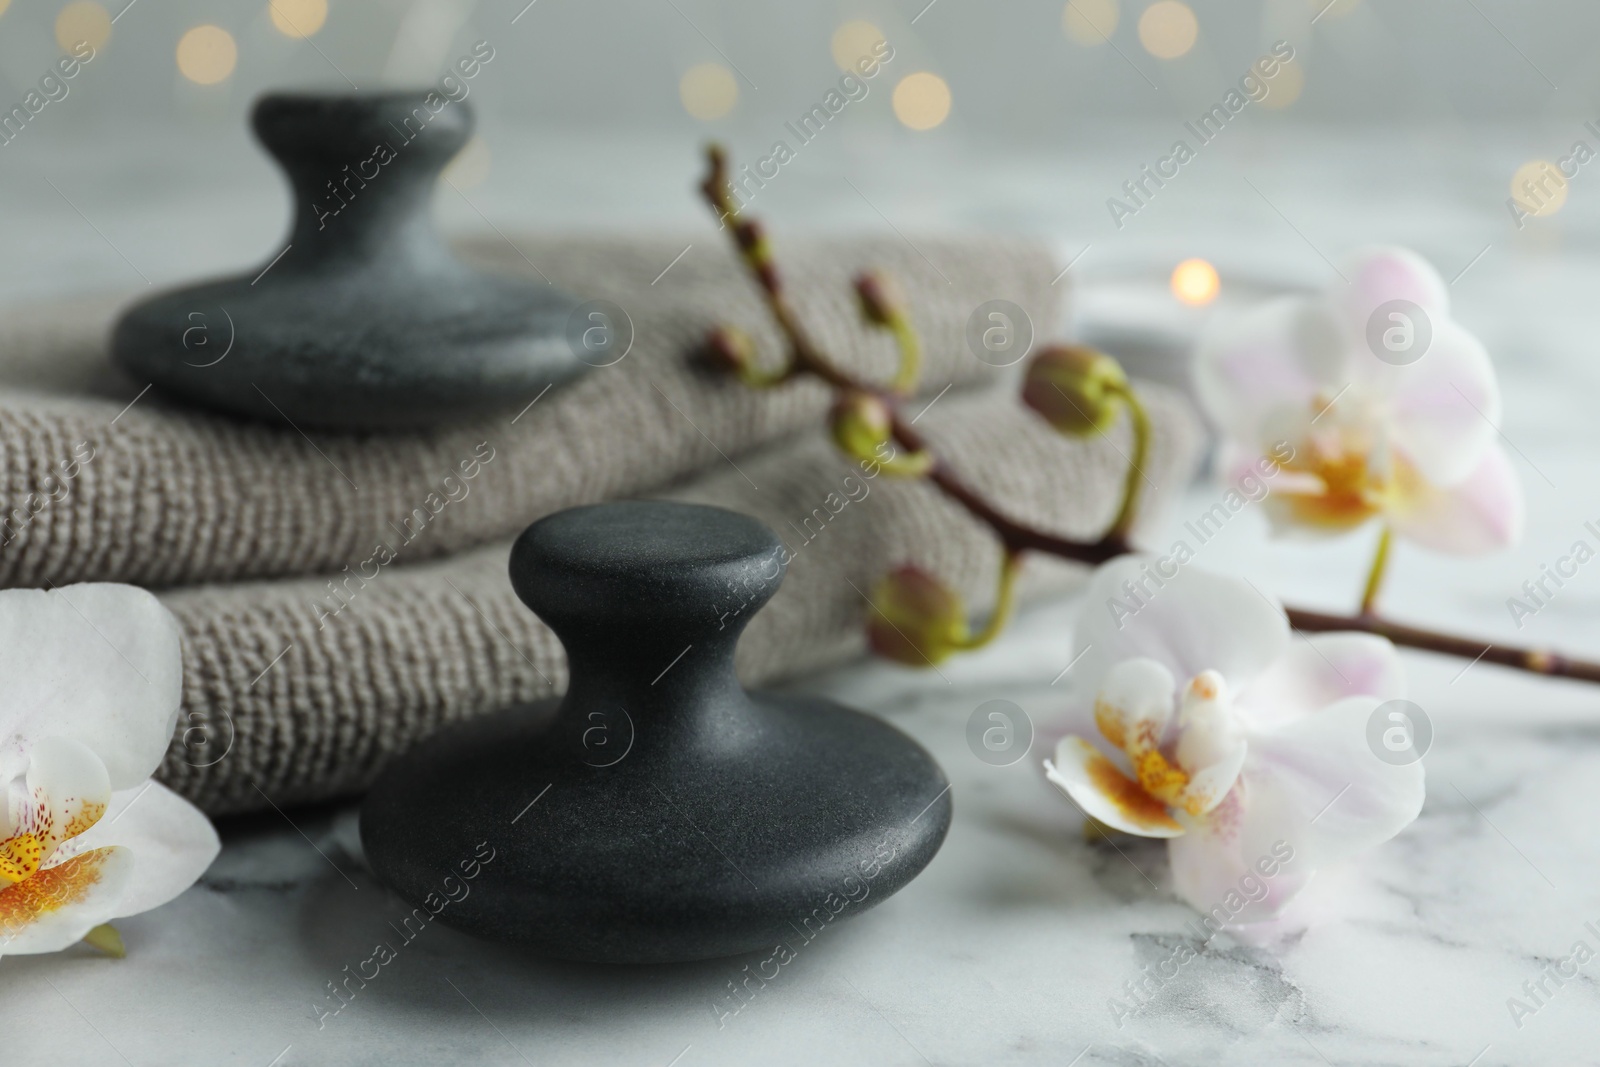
x=341, y=596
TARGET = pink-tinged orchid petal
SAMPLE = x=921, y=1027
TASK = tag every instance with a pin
x=1227, y=885
x=1379, y=275
x=1481, y=513
x=1262, y=370
x=1327, y=792
x=1095, y=784
x=1254, y=785
x=98, y=663
x=59, y=905
x=1320, y=670
x=1134, y=705
x=1189, y=622
x=1445, y=406
x=1364, y=417
x=171, y=840
x=1208, y=786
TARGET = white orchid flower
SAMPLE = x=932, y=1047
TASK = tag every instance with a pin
x=1239, y=744
x=1387, y=405
x=92, y=682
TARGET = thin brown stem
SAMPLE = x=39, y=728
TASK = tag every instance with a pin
x=1537, y=661
x=1017, y=537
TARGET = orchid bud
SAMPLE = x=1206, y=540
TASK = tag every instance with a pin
x=860, y=424
x=882, y=303
x=916, y=619
x=1076, y=389
x=751, y=236
x=731, y=349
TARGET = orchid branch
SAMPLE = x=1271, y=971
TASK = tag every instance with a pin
x=1078, y=390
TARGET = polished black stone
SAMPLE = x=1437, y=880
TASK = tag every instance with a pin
x=659, y=812
x=367, y=320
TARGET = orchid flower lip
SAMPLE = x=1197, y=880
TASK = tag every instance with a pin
x=86, y=835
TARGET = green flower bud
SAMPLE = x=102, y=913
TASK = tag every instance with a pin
x=731, y=349
x=916, y=619
x=860, y=423
x=1077, y=389
x=881, y=301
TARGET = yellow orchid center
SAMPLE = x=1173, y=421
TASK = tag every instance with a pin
x=49, y=889
x=1164, y=775
x=1159, y=777
x=20, y=856
x=35, y=877
x=1357, y=478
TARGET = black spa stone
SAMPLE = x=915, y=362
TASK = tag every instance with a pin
x=659, y=812
x=366, y=321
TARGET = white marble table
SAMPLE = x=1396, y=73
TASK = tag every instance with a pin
x=1008, y=948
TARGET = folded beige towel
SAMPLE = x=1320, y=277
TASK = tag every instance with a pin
x=301, y=688
x=169, y=496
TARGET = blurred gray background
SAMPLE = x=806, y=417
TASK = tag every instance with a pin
x=1401, y=121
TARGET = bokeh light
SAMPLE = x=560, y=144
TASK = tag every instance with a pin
x=1089, y=22
x=1195, y=282
x=298, y=18
x=1284, y=88
x=83, y=21
x=1168, y=29
x=852, y=41
x=921, y=100
x=1539, y=187
x=3, y=5
x=207, y=54
x=708, y=91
